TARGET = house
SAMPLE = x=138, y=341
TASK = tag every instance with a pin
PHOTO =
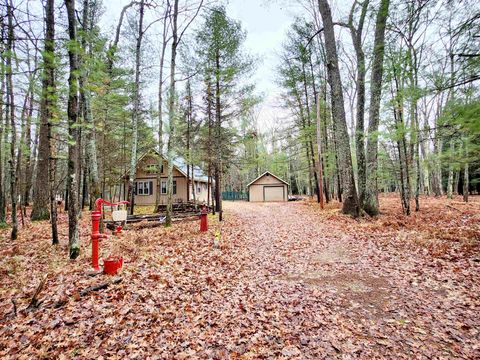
x=146, y=186
x=268, y=187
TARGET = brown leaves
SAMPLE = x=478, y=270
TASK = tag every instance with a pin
x=287, y=281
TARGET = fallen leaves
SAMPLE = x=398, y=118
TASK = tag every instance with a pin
x=282, y=281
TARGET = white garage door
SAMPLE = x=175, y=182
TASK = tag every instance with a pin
x=273, y=193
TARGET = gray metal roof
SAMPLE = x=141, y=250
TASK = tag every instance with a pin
x=181, y=165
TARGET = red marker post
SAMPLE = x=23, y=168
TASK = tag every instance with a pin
x=204, y=219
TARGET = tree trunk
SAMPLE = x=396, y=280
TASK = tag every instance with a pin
x=325, y=138
x=370, y=204
x=189, y=138
x=209, y=145
x=21, y=145
x=424, y=151
x=350, y=200
x=465, y=177
x=136, y=110
x=171, y=116
x=52, y=150
x=308, y=134
x=188, y=157
x=90, y=146
x=3, y=131
x=450, y=170
x=320, y=158
x=72, y=180
x=160, y=106
x=306, y=143
x=356, y=35
x=24, y=152
x=41, y=193
x=30, y=155
x=218, y=128
x=10, y=111
x=401, y=143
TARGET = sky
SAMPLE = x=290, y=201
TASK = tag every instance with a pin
x=266, y=23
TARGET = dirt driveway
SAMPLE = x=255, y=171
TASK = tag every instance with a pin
x=320, y=288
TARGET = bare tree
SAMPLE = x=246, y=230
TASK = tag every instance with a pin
x=370, y=204
x=10, y=111
x=350, y=199
x=41, y=196
x=176, y=38
x=86, y=110
x=3, y=127
x=356, y=34
x=136, y=108
x=72, y=188
x=160, y=101
x=171, y=115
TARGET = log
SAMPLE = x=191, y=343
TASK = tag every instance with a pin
x=14, y=307
x=152, y=224
x=154, y=219
x=100, y=286
x=454, y=208
x=60, y=303
x=34, y=301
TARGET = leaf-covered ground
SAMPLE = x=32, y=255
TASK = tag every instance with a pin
x=274, y=281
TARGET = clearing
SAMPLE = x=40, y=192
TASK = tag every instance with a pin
x=276, y=280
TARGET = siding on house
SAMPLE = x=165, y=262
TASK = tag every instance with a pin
x=146, y=172
x=181, y=194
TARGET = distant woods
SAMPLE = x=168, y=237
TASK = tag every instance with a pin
x=379, y=96
x=77, y=110
x=397, y=86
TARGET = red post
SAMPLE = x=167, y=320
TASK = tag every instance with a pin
x=96, y=215
x=203, y=219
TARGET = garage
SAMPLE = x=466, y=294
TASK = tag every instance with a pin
x=268, y=188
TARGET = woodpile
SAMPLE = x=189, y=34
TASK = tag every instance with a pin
x=181, y=212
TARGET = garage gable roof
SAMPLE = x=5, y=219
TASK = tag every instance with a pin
x=269, y=173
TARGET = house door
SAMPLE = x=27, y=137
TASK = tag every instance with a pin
x=273, y=193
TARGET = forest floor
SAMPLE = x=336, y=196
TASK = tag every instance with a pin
x=278, y=280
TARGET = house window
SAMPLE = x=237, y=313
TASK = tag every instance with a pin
x=199, y=189
x=164, y=187
x=144, y=188
x=153, y=169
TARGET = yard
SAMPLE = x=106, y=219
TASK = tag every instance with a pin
x=275, y=280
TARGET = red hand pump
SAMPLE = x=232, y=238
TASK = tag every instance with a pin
x=96, y=234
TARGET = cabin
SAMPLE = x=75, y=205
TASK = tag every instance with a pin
x=268, y=187
x=146, y=185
